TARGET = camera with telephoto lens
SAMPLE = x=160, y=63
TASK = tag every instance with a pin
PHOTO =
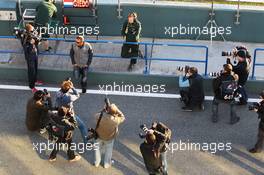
x=45, y=99
x=227, y=54
x=23, y=34
x=253, y=106
x=183, y=69
x=215, y=74
x=145, y=129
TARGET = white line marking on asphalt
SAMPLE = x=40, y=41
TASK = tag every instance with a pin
x=117, y=93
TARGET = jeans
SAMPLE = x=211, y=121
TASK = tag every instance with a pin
x=233, y=114
x=81, y=73
x=164, y=162
x=83, y=129
x=107, y=148
x=32, y=65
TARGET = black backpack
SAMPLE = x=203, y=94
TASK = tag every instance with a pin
x=228, y=88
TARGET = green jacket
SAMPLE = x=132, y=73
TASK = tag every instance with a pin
x=131, y=31
x=45, y=11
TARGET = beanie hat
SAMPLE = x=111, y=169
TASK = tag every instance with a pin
x=242, y=54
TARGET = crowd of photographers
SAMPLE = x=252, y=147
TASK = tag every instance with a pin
x=228, y=86
x=60, y=120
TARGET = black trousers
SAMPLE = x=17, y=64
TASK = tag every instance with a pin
x=129, y=51
x=260, y=142
x=57, y=147
x=81, y=73
x=216, y=102
x=32, y=65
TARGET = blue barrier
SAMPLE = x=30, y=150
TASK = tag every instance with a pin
x=255, y=62
x=145, y=44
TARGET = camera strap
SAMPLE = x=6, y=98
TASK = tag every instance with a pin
x=99, y=119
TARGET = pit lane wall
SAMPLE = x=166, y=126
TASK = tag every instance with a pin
x=99, y=78
x=155, y=18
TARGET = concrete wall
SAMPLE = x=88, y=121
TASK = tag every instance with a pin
x=155, y=18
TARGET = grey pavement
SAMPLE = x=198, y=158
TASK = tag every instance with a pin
x=120, y=65
x=19, y=158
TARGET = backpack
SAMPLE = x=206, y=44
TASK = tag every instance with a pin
x=165, y=130
x=228, y=89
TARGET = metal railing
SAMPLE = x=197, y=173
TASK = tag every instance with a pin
x=146, y=57
x=255, y=63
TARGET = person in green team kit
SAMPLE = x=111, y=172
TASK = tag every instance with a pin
x=131, y=31
x=46, y=10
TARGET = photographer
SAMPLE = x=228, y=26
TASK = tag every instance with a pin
x=242, y=70
x=107, y=130
x=259, y=108
x=81, y=56
x=63, y=128
x=46, y=10
x=225, y=87
x=131, y=31
x=195, y=92
x=30, y=41
x=65, y=98
x=37, y=111
x=162, y=135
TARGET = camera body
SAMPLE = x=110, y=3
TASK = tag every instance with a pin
x=27, y=36
x=253, y=106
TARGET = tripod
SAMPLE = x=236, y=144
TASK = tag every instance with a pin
x=211, y=23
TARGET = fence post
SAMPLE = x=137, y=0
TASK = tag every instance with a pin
x=206, y=61
x=254, y=64
x=146, y=71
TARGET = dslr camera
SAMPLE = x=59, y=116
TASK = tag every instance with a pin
x=22, y=33
x=253, y=106
x=145, y=129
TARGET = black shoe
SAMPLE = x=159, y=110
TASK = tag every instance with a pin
x=254, y=150
x=83, y=91
x=187, y=109
x=130, y=67
x=235, y=121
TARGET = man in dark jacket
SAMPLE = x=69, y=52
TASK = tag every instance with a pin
x=37, y=111
x=195, y=92
x=242, y=70
x=30, y=46
x=131, y=32
x=67, y=128
x=260, y=142
x=152, y=162
x=226, y=81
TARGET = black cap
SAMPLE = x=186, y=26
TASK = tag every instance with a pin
x=242, y=54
